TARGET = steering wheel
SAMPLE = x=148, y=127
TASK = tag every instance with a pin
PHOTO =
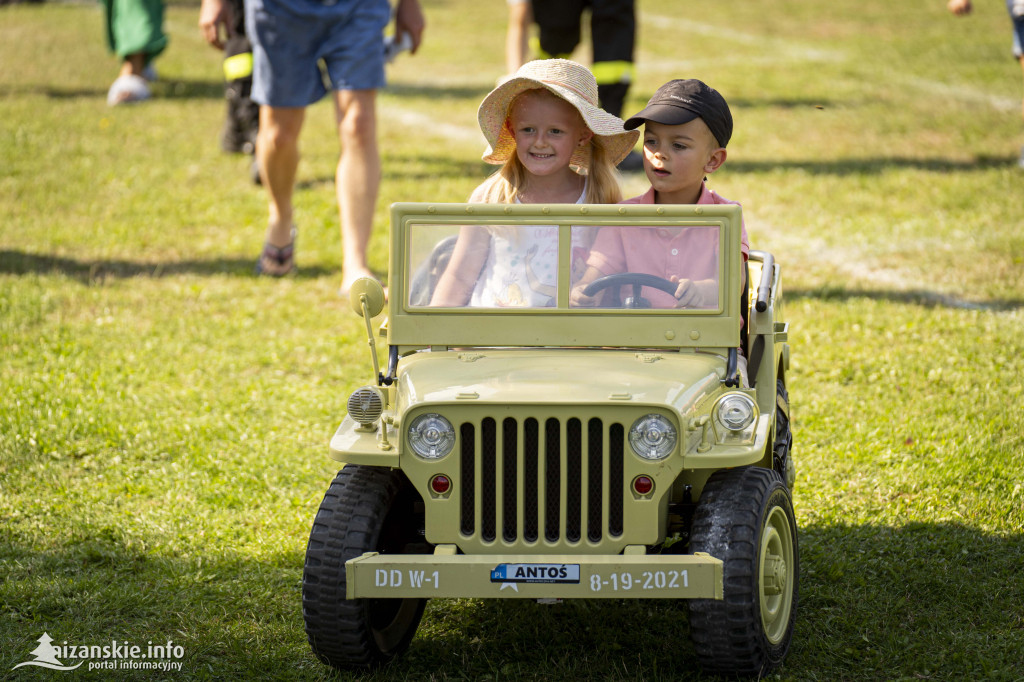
x=637, y=280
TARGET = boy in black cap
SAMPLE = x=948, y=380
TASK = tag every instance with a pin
x=686, y=127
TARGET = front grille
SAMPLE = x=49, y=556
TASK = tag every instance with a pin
x=516, y=474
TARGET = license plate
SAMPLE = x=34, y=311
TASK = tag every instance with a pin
x=536, y=573
x=394, y=576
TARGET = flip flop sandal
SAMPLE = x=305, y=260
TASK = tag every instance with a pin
x=282, y=258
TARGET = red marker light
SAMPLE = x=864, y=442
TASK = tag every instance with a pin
x=643, y=485
x=440, y=484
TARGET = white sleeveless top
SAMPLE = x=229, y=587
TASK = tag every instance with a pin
x=521, y=270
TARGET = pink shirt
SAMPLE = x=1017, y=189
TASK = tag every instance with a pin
x=685, y=253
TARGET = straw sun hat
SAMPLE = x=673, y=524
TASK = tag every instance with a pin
x=572, y=82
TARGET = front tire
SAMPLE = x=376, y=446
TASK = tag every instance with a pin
x=745, y=518
x=365, y=509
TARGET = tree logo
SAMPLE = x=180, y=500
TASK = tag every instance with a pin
x=46, y=656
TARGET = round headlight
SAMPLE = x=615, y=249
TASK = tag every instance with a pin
x=652, y=437
x=736, y=412
x=431, y=436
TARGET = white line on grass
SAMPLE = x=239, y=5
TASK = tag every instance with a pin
x=428, y=125
x=854, y=264
x=786, y=48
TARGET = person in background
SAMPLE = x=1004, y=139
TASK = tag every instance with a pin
x=613, y=33
x=135, y=33
x=1016, y=11
x=292, y=40
x=517, y=37
x=242, y=121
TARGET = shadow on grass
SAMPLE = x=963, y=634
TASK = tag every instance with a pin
x=96, y=271
x=782, y=103
x=865, y=591
x=921, y=297
x=907, y=601
x=181, y=88
x=764, y=103
x=876, y=166
x=406, y=168
x=889, y=602
x=188, y=89
x=398, y=167
x=162, y=89
x=233, y=618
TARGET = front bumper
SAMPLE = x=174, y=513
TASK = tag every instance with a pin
x=519, y=576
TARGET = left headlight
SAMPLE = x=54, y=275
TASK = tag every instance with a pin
x=653, y=437
x=431, y=436
x=735, y=416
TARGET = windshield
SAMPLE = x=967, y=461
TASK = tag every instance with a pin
x=591, y=266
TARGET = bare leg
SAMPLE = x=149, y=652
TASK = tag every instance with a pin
x=357, y=179
x=517, y=38
x=277, y=151
x=133, y=65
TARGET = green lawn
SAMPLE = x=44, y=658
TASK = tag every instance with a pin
x=165, y=415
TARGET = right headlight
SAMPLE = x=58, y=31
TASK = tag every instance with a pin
x=735, y=417
x=653, y=437
x=431, y=436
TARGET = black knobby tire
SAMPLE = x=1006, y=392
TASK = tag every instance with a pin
x=745, y=518
x=365, y=509
x=783, y=448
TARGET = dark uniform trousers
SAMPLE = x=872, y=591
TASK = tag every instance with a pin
x=613, y=32
x=243, y=115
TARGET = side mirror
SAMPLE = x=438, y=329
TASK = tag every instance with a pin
x=370, y=290
x=367, y=299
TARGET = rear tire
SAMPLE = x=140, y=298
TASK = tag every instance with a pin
x=782, y=450
x=365, y=509
x=745, y=518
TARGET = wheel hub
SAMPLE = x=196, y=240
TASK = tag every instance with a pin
x=775, y=574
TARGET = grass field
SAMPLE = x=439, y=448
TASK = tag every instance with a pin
x=165, y=415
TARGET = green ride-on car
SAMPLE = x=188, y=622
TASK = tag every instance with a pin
x=527, y=446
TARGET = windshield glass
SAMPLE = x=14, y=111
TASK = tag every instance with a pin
x=584, y=266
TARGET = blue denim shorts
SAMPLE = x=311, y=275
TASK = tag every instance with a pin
x=1018, y=30
x=302, y=48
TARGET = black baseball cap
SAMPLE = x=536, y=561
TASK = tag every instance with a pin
x=682, y=100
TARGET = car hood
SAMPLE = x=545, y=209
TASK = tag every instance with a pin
x=559, y=376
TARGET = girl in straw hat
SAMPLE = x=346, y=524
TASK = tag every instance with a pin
x=555, y=145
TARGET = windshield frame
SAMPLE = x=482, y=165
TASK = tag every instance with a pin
x=561, y=325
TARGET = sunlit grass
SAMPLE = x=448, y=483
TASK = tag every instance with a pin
x=165, y=415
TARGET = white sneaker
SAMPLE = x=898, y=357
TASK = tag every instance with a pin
x=127, y=89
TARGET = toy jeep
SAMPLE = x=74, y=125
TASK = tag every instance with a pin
x=524, y=447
